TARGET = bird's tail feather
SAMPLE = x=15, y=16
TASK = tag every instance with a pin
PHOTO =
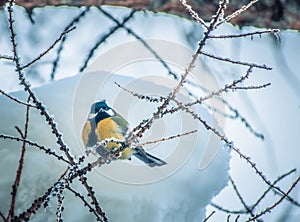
x=147, y=158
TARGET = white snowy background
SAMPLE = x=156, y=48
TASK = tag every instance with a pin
x=273, y=111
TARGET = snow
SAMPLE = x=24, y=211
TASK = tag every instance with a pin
x=128, y=191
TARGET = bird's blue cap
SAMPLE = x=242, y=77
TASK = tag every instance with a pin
x=99, y=105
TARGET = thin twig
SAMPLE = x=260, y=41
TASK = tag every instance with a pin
x=49, y=48
x=240, y=197
x=146, y=124
x=60, y=207
x=17, y=180
x=193, y=13
x=215, y=95
x=63, y=182
x=228, y=211
x=229, y=143
x=250, y=87
x=271, y=31
x=270, y=208
x=36, y=204
x=165, y=139
x=238, y=115
x=85, y=203
x=270, y=188
x=238, y=12
x=147, y=46
x=103, y=38
x=257, y=171
x=224, y=89
x=237, y=62
x=142, y=96
x=61, y=45
x=49, y=119
x=16, y=100
x=31, y=143
x=3, y=217
x=205, y=124
x=258, y=200
x=228, y=218
x=6, y=57
x=209, y=216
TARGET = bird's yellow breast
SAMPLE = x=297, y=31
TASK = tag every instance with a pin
x=108, y=128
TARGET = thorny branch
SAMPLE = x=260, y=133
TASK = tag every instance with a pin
x=104, y=37
x=258, y=200
x=268, y=209
x=16, y=184
x=146, y=124
x=236, y=62
x=239, y=11
x=6, y=57
x=270, y=188
x=85, y=202
x=251, y=34
x=16, y=99
x=193, y=13
x=63, y=39
x=247, y=208
x=209, y=216
x=77, y=169
x=139, y=38
x=49, y=48
x=34, y=144
x=165, y=139
x=44, y=112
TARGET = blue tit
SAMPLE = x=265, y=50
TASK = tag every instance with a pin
x=104, y=123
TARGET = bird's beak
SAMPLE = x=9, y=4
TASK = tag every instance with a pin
x=92, y=115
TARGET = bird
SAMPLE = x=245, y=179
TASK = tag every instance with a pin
x=103, y=123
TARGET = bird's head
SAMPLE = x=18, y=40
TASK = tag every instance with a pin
x=101, y=109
